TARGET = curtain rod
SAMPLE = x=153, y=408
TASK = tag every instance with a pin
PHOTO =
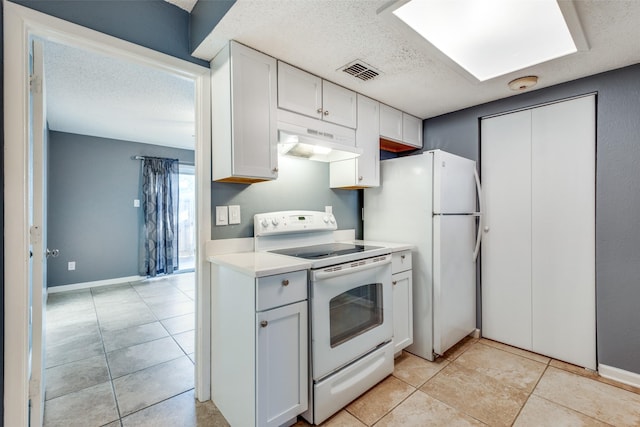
x=151, y=157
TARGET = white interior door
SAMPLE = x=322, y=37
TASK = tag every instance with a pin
x=563, y=238
x=38, y=235
x=506, y=244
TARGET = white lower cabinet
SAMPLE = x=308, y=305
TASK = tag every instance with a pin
x=402, y=301
x=259, y=346
x=282, y=363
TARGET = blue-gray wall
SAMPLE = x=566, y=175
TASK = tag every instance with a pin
x=91, y=219
x=301, y=184
x=617, y=184
x=204, y=17
x=155, y=24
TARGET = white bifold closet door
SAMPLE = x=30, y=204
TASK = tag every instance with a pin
x=538, y=256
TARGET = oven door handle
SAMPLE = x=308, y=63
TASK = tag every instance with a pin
x=329, y=272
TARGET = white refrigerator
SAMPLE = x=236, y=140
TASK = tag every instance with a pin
x=429, y=200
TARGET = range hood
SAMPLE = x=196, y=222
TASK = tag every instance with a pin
x=314, y=139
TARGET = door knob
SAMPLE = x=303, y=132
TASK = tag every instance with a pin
x=52, y=253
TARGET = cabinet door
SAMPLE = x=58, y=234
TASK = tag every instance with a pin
x=363, y=171
x=338, y=104
x=563, y=255
x=411, y=130
x=282, y=371
x=402, y=310
x=506, y=245
x=299, y=91
x=390, y=123
x=253, y=103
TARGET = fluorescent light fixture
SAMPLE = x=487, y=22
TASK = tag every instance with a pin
x=490, y=38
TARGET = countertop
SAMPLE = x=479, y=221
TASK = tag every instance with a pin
x=260, y=264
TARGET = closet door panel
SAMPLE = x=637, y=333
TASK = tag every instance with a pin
x=506, y=246
x=563, y=224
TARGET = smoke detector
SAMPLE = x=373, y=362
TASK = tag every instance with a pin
x=523, y=83
x=361, y=70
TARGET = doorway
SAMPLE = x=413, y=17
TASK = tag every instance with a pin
x=21, y=24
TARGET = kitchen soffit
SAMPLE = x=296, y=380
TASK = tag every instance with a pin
x=322, y=36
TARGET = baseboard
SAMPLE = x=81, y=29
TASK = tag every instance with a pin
x=475, y=333
x=87, y=285
x=622, y=376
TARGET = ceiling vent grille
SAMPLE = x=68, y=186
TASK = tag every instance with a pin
x=361, y=70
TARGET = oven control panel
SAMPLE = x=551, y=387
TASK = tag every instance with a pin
x=283, y=222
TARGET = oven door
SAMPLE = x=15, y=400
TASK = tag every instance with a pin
x=351, y=309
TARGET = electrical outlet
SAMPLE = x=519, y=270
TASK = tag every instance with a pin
x=72, y=265
x=234, y=214
x=136, y=203
x=222, y=215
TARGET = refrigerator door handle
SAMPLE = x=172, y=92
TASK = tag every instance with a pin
x=480, y=215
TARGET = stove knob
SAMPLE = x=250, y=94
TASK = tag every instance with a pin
x=264, y=223
x=274, y=221
x=332, y=219
x=326, y=219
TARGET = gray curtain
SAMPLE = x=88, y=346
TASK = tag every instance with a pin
x=160, y=210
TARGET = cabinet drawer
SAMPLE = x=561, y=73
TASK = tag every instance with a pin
x=281, y=289
x=400, y=261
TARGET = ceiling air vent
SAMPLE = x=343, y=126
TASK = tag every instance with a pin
x=361, y=70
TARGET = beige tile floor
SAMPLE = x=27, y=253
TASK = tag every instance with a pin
x=482, y=382
x=123, y=356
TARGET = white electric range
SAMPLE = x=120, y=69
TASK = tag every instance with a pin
x=350, y=306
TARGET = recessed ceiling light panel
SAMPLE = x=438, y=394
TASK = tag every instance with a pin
x=490, y=38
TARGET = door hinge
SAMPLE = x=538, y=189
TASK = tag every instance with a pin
x=35, y=233
x=34, y=389
x=35, y=83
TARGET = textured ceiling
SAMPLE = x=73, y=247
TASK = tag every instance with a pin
x=321, y=36
x=92, y=94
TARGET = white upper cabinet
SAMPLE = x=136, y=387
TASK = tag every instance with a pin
x=390, y=123
x=299, y=91
x=244, y=127
x=411, y=130
x=304, y=93
x=363, y=171
x=399, y=131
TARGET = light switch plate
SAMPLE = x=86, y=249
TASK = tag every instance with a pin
x=222, y=215
x=136, y=203
x=234, y=214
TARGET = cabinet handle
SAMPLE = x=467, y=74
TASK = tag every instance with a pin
x=264, y=323
x=319, y=111
x=285, y=282
x=360, y=178
x=274, y=170
x=326, y=112
x=395, y=282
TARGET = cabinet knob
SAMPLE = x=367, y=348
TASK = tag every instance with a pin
x=395, y=282
x=285, y=282
x=319, y=110
x=264, y=323
x=274, y=170
x=360, y=178
x=326, y=112
x=486, y=229
x=403, y=256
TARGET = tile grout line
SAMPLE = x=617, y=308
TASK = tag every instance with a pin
x=106, y=359
x=529, y=394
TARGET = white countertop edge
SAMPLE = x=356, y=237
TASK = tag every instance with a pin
x=394, y=247
x=259, y=264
